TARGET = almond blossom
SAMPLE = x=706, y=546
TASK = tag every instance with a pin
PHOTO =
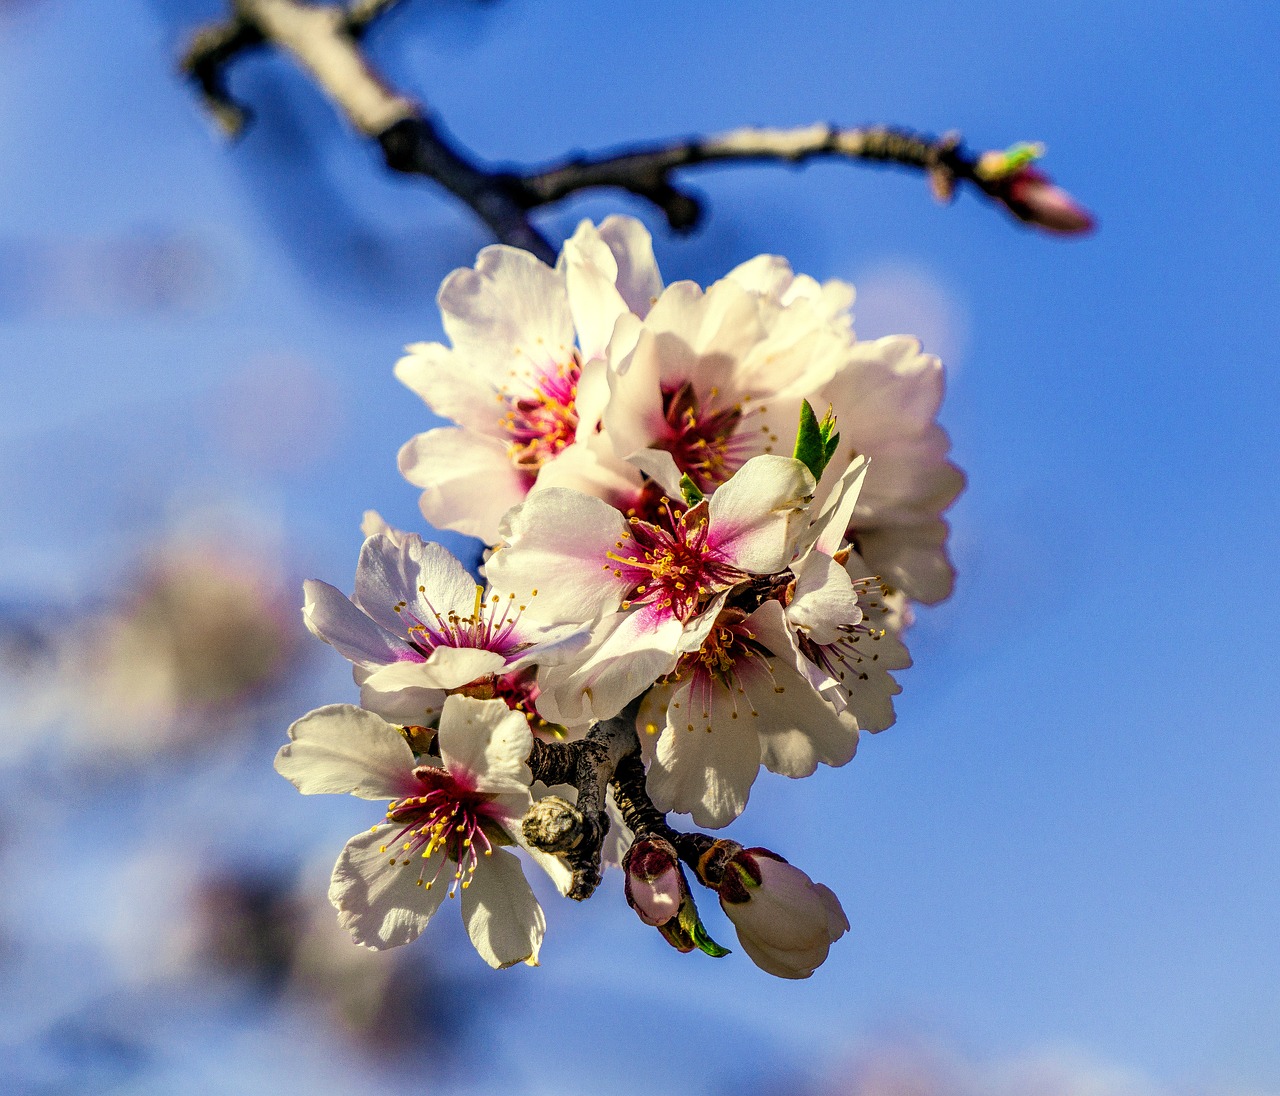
x=524, y=378
x=644, y=583
x=730, y=706
x=712, y=378
x=446, y=830
x=419, y=626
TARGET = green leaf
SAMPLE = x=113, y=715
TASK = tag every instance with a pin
x=689, y=490
x=816, y=441
x=706, y=944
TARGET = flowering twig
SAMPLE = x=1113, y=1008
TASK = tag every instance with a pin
x=577, y=832
x=325, y=41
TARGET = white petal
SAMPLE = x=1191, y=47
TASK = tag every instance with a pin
x=591, y=274
x=468, y=481
x=331, y=616
x=509, y=317
x=446, y=668
x=590, y=466
x=382, y=904
x=486, y=745
x=798, y=729
x=558, y=543
x=450, y=385
x=503, y=918
x=912, y=558
x=755, y=516
x=340, y=748
x=706, y=760
x=411, y=707
x=633, y=417
x=630, y=652
x=638, y=279
x=423, y=577
x=824, y=600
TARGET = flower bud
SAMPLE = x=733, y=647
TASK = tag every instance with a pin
x=1031, y=196
x=785, y=921
x=654, y=884
x=657, y=891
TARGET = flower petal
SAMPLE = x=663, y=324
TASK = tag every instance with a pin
x=755, y=516
x=384, y=905
x=486, y=745
x=503, y=918
x=558, y=542
x=509, y=317
x=402, y=581
x=446, y=668
x=331, y=616
x=451, y=389
x=468, y=481
x=341, y=748
x=405, y=707
x=706, y=760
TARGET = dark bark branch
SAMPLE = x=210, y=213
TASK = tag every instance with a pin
x=325, y=41
x=577, y=833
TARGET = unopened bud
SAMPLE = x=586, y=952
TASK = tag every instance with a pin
x=785, y=921
x=656, y=889
x=654, y=884
x=1032, y=196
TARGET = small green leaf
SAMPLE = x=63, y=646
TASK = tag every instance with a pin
x=706, y=944
x=816, y=441
x=689, y=490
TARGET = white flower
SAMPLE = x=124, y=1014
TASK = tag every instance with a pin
x=645, y=583
x=709, y=380
x=445, y=827
x=419, y=626
x=525, y=376
x=844, y=625
x=730, y=706
x=785, y=921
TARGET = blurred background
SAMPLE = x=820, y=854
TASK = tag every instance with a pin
x=1061, y=864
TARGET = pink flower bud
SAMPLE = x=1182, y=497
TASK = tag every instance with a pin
x=785, y=921
x=654, y=885
x=1032, y=197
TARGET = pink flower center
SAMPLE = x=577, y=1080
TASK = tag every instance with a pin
x=492, y=626
x=448, y=816
x=671, y=566
x=543, y=421
x=705, y=440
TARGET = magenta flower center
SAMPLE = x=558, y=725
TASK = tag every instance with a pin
x=704, y=437
x=493, y=625
x=543, y=421
x=671, y=566
x=448, y=816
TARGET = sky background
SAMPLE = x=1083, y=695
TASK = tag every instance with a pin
x=1069, y=839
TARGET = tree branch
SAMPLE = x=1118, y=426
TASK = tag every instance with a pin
x=577, y=833
x=324, y=39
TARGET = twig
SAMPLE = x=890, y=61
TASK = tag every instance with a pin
x=577, y=832
x=324, y=39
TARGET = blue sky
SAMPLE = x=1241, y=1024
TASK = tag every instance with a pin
x=1070, y=834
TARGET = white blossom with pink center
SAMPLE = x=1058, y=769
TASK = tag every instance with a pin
x=843, y=623
x=524, y=378
x=418, y=626
x=731, y=705
x=708, y=380
x=444, y=831
x=643, y=584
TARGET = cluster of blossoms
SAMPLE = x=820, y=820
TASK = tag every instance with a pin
x=690, y=575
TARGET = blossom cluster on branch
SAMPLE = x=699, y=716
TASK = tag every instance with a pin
x=708, y=512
